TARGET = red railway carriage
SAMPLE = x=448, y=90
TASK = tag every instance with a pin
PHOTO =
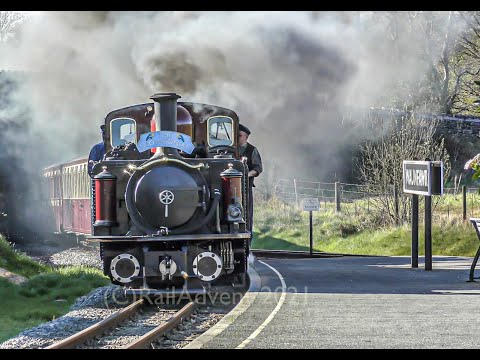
x=70, y=194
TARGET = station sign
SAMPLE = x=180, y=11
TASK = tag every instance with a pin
x=423, y=177
x=311, y=204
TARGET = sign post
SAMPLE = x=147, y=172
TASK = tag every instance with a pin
x=428, y=233
x=422, y=178
x=414, y=231
x=311, y=204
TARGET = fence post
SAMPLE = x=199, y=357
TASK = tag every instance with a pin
x=395, y=199
x=337, y=196
x=296, y=195
x=464, y=201
x=368, y=201
x=471, y=206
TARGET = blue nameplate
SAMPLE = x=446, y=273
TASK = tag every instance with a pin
x=171, y=139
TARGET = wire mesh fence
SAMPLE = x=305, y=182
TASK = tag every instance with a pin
x=388, y=205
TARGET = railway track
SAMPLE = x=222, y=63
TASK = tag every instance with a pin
x=135, y=327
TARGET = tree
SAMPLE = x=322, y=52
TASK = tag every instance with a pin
x=9, y=20
x=381, y=162
x=467, y=64
x=438, y=89
x=429, y=41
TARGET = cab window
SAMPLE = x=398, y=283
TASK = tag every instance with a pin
x=220, y=130
x=122, y=130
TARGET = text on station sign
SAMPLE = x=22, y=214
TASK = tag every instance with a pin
x=423, y=177
x=311, y=204
x=416, y=177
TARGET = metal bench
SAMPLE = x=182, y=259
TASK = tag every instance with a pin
x=476, y=225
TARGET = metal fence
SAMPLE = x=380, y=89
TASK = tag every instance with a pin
x=293, y=191
x=355, y=199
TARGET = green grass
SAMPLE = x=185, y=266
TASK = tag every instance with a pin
x=283, y=227
x=46, y=295
x=49, y=293
x=18, y=263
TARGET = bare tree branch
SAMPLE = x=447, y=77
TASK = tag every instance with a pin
x=8, y=23
x=381, y=162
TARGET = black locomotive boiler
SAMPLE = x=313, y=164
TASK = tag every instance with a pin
x=169, y=199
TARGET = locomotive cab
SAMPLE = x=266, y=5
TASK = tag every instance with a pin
x=169, y=199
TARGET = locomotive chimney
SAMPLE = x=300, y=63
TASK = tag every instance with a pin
x=165, y=105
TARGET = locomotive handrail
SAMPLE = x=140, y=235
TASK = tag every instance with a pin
x=154, y=238
x=163, y=160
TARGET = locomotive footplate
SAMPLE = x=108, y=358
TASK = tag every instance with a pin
x=238, y=236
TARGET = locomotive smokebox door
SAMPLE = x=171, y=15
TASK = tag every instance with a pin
x=167, y=196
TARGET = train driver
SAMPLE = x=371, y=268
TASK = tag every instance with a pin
x=97, y=152
x=254, y=162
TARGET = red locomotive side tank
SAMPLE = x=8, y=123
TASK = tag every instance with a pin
x=232, y=186
x=105, y=199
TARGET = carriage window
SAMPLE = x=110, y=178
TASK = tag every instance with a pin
x=220, y=131
x=122, y=130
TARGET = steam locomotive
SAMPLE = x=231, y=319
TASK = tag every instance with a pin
x=167, y=202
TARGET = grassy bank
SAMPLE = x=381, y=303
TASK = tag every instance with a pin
x=279, y=226
x=46, y=295
x=18, y=263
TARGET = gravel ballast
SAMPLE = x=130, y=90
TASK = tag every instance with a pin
x=98, y=305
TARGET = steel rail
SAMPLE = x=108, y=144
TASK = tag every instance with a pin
x=98, y=328
x=145, y=341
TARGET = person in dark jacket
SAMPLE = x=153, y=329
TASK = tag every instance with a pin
x=254, y=162
x=97, y=152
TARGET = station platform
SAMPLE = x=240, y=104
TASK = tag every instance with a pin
x=352, y=302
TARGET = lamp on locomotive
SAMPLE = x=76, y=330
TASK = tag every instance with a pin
x=105, y=199
x=232, y=188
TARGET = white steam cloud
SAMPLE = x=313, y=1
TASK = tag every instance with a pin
x=284, y=73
